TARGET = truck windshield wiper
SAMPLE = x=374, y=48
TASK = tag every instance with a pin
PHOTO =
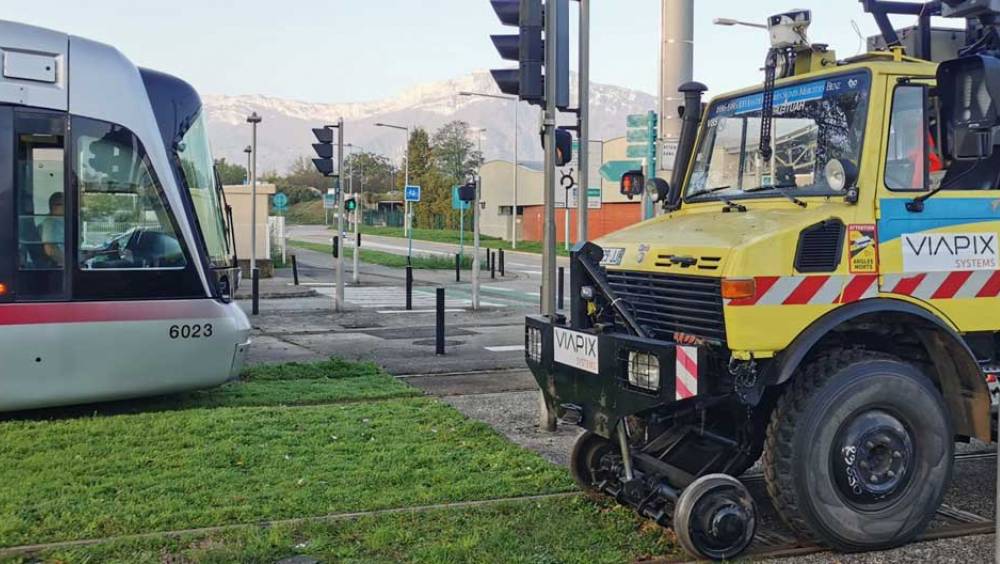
x=729, y=203
x=783, y=190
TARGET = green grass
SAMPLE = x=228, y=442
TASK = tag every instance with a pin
x=553, y=530
x=452, y=236
x=310, y=212
x=121, y=473
x=422, y=262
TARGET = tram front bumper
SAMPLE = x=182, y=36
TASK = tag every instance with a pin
x=595, y=379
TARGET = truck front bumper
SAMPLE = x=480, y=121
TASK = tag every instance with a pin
x=594, y=379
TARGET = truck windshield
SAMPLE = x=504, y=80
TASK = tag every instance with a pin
x=198, y=169
x=814, y=122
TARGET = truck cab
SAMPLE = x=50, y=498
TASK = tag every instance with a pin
x=826, y=303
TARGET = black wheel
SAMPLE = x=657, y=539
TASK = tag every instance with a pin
x=859, y=451
x=585, y=461
x=715, y=517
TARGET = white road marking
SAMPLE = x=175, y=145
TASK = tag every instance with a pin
x=510, y=290
x=391, y=311
x=506, y=348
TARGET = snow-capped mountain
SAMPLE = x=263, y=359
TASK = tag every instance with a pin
x=285, y=135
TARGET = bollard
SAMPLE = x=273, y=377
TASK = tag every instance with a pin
x=561, y=287
x=409, y=288
x=493, y=265
x=501, y=264
x=336, y=246
x=439, y=334
x=458, y=268
x=295, y=270
x=255, y=289
x=359, y=239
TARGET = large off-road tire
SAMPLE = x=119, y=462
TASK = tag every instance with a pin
x=585, y=460
x=859, y=451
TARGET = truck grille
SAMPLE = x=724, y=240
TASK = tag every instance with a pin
x=666, y=303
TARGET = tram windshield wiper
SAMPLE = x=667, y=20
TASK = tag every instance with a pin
x=783, y=190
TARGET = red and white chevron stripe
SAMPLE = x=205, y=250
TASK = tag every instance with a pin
x=963, y=284
x=686, y=373
x=811, y=290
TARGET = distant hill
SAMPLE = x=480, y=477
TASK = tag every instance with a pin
x=285, y=133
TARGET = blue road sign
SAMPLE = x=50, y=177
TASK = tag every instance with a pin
x=412, y=194
x=280, y=201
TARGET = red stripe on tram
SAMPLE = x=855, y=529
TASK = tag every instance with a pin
x=98, y=312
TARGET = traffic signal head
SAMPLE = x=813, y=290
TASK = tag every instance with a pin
x=564, y=147
x=324, y=150
x=632, y=183
x=467, y=192
x=350, y=204
x=527, y=47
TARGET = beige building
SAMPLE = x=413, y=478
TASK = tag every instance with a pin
x=239, y=197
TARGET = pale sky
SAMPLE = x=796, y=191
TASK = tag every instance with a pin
x=357, y=50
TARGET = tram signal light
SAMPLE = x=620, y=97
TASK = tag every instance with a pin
x=527, y=47
x=564, y=146
x=350, y=204
x=324, y=150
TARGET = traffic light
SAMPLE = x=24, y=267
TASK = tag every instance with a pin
x=324, y=150
x=350, y=204
x=528, y=48
x=467, y=192
x=564, y=147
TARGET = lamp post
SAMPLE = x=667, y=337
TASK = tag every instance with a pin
x=732, y=22
x=513, y=207
x=408, y=223
x=248, y=151
x=475, y=225
x=253, y=120
x=357, y=250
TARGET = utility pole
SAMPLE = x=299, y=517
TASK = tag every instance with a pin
x=248, y=151
x=584, y=134
x=253, y=120
x=677, y=64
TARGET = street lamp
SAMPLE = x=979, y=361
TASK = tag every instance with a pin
x=248, y=151
x=513, y=208
x=732, y=22
x=253, y=119
x=408, y=224
x=357, y=210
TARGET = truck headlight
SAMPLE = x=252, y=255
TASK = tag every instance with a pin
x=533, y=344
x=644, y=370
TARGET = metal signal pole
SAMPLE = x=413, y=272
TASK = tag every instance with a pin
x=584, y=134
x=549, y=132
x=340, y=214
x=677, y=67
x=253, y=120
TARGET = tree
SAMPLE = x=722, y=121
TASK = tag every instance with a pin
x=230, y=174
x=370, y=171
x=303, y=173
x=454, y=153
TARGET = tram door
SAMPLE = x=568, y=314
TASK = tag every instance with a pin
x=40, y=202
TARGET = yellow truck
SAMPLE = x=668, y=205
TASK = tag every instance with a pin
x=821, y=292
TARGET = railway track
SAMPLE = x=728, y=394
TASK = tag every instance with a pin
x=949, y=522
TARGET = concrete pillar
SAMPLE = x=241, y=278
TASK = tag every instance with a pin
x=676, y=68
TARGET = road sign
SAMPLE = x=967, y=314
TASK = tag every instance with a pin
x=329, y=201
x=280, y=201
x=612, y=171
x=636, y=151
x=456, y=201
x=638, y=135
x=412, y=193
x=637, y=120
x=594, y=198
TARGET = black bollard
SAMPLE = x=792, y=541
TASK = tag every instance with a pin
x=255, y=289
x=493, y=265
x=295, y=270
x=458, y=268
x=561, y=286
x=336, y=246
x=359, y=239
x=439, y=333
x=409, y=288
x=501, y=264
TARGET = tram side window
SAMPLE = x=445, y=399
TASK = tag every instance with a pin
x=40, y=186
x=125, y=222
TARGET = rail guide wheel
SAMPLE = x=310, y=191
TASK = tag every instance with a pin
x=715, y=517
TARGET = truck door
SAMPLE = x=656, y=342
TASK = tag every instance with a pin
x=942, y=250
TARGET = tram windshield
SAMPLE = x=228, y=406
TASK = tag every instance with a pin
x=198, y=168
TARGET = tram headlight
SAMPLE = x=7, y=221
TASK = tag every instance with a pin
x=644, y=370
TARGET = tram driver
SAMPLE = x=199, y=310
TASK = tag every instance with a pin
x=53, y=230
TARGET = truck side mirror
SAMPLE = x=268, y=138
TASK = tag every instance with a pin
x=632, y=183
x=659, y=190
